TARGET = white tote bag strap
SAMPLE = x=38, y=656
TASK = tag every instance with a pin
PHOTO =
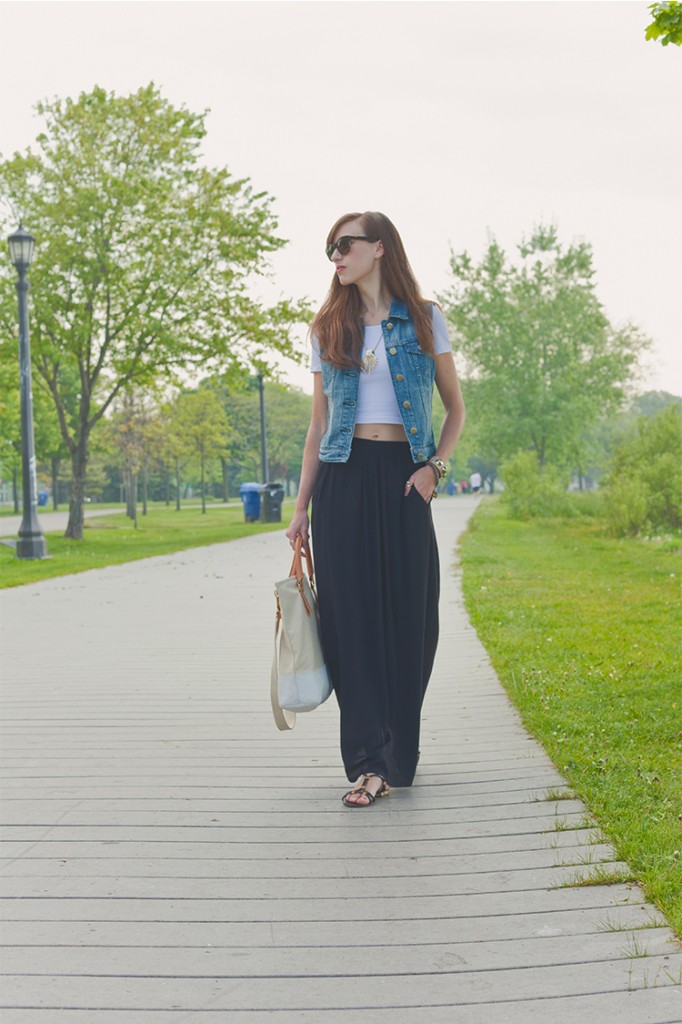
x=283, y=719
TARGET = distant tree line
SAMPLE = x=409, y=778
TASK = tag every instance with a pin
x=199, y=444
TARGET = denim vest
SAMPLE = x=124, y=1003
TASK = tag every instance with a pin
x=412, y=373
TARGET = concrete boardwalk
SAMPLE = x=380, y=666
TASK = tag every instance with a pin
x=170, y=857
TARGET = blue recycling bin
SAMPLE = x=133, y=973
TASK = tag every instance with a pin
x=42, y=498
x=250, y=495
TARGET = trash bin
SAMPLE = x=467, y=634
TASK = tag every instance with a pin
x=250, y=495
x=273, y=495
x=42, y=498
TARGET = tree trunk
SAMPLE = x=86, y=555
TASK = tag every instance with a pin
x=226, y=489
x=128, y=484
x=133, y=498
x=145, y=481
x=79, y=465
x=54, y=470
x=167, y=483
x=177, y=484
x=203, y=486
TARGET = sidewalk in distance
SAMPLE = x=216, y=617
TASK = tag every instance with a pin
x=50, y=520
x=170, y=856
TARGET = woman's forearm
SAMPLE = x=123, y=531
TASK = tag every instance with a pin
x=453, y=424
x=309, y=468
x=450, y=392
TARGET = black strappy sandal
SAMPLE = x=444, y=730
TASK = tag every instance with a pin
x=361, y=790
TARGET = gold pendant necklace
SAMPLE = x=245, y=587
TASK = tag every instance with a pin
x=370, y=360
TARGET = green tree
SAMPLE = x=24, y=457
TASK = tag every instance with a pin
x=126, y=428
x=650, y=403
x=470, y=454
x=10, y=426
x=143, y=261
x=613, y=429
x=200, y=422
x=667, y=23
x=541, y=361
x=287, y=417
x=159, y=448
x=174, y=446
x=10, y=417
x=49, y=443
x=239, y=399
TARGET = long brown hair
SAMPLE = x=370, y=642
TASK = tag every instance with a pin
x=338, y=323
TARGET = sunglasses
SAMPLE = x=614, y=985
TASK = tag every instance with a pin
x=344, y=243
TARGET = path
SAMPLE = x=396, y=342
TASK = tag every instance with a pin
x=50, y=521
x=172, y=858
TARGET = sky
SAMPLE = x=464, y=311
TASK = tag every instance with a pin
x=459, y=120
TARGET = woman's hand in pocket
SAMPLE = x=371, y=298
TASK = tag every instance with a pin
x=424, y=481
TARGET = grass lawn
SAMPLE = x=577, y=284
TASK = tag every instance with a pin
x=584, y=632
x=109, y=540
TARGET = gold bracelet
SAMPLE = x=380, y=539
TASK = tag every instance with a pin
x=439, y=466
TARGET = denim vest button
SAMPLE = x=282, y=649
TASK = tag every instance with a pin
x=420, y=455
x=389, y=326
x=400, y=377
x=406, y=405
x=393, y=351
x=413, y=430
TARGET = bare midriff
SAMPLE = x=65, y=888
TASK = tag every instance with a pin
x=380, y=431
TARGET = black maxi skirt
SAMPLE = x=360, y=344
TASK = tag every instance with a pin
x=378, y=581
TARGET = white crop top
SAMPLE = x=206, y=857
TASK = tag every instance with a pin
x=376, y=397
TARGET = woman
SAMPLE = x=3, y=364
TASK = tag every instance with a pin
x=371, y=467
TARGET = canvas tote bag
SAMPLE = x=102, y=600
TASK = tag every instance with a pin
x=299, y=680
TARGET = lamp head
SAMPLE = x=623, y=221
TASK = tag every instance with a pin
x=21, y=246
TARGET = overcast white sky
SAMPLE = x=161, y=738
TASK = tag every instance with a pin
x=454, y=118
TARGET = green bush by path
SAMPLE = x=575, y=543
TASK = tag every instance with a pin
x=644, y=486
x=110, y=540
x=531, y=491
x=583, y=630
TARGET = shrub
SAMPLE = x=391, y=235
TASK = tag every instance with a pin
x=532, y=491
x=626, y=506
x=644, y=483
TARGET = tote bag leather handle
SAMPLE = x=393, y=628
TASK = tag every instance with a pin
x=297, y=570
x=297, y=564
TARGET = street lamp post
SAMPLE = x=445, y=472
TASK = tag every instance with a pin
x=263, y=441
x=31, y=542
